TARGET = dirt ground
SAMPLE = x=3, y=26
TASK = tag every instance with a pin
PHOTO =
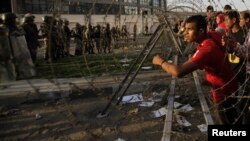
x=75, y=117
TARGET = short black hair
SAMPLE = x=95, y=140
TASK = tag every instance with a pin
x=227, y=7
x=210, y=7
x=233, y=14
x=246, y=15
x=199, y=21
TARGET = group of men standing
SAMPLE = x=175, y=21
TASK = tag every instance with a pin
x=18, y=47
x=215, y=40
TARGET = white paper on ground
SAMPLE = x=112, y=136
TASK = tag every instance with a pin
x=177, y=104
x=160, y=112
x=186, y=108
x=125, y=60
x=132, y=98
x=202, y=127
x=146, y=68
x=119, y=139
x=125, y=65
x=182, y=121
x=147, y=104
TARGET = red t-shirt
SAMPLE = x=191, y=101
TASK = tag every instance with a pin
x=211, y=57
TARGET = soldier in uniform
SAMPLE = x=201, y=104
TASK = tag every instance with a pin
x=67, y=35
x=135, y=32
x=31, y=35
x=23, y=62
x=89, y=36
x=78, y=34
x=107, y=39
x=60, y=38
x=7, y=68
x=49, y=34
x=97, y=36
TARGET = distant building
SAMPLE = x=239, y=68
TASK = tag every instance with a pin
x=88, y=6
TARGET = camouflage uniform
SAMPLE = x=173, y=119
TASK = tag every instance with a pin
x=67, y=35
x=31, y=36
x=49, y=34
x=89, y=37
x=107, y=39
x=78, y=34
x=60, y=39
x=97, y=36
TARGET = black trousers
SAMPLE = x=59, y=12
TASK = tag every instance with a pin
x=227, y=112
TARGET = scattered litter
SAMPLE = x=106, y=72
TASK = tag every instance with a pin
x=182, y=121
x=125, y=60
x=133, y=111
x=186, y=108
x=125, y=65
x=38, y=116
x=158, y=113
x=177, y=104
x=146, y=68
x=203, y=128
x=147, y=104
x=131, y=98
x=119, y=139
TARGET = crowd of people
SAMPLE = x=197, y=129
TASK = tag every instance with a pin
x=221, y=37
x=20, y=42
x=88, y=39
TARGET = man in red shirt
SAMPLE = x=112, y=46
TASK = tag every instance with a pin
x=209, y=56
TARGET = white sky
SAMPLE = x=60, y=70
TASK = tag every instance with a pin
x=234, y=3
x=218, y=3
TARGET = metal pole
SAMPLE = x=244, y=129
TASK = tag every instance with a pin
x=13, y=6
x=120, y=12
x=140, y=65
x=152, y=39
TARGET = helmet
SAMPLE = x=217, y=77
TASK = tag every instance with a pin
x=9, y=16
x=29, y=15
x=28, y=19
x=65, y=21
x=47, y=19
